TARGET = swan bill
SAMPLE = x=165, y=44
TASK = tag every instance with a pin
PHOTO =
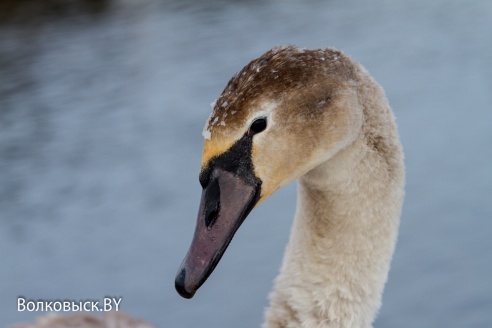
x=226, y=201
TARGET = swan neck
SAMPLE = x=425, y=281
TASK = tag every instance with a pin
x=342, y=240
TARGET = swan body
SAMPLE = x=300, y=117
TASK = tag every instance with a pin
x=325, y=121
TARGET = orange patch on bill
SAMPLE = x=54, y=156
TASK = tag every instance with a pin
x=214, y=148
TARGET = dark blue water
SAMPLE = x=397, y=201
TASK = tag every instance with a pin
x=101, y=113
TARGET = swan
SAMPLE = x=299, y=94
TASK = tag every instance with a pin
x=317, y=116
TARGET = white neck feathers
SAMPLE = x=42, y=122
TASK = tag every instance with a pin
x=345, y=230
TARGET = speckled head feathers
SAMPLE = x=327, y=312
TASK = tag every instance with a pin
x=309, y=98
x=272, y=77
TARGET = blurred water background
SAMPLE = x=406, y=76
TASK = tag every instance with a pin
x=102, y=105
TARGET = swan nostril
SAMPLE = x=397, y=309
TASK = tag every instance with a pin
x=212, y=203
x=212, y=216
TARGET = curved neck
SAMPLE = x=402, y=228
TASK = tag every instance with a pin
x=344, y=233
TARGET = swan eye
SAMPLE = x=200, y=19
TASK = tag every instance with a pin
x=257, y=126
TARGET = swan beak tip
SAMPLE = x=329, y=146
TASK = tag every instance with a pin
x=179, y=284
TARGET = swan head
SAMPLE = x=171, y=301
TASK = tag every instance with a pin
x=282, y=115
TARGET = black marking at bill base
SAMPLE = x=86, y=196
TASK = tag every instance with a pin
x=236, y=160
